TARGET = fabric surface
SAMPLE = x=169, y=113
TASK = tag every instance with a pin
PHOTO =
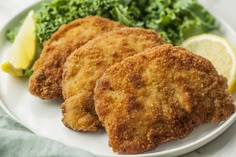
x=18, y=141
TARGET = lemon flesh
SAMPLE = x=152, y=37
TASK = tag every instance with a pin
x=219, y=51
x=23, y=50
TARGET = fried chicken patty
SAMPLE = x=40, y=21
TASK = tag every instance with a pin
x=47, y=76
x=85, y=65
x=157, y=96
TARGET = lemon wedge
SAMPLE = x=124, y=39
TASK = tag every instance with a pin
x=219, y=51
x=23, y=50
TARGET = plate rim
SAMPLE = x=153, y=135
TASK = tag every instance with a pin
x=174, y=151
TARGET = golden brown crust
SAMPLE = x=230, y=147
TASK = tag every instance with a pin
x=159, y=96
x=46, y=79
x=85, y=65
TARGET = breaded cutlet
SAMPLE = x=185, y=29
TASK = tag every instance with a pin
x=157, y=96
x=45, y=81
x=87, y=64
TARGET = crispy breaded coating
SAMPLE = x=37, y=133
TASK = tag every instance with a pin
x=46, y=79
x=158, y=96
x=85, y=65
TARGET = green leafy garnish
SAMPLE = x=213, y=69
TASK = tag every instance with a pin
x=52, y=15
x=175, y=20
x=11, y=34
x=27, y=73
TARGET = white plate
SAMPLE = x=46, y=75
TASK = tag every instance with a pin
x=44, y=117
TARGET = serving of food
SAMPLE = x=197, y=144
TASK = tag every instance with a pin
x=153, y=77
